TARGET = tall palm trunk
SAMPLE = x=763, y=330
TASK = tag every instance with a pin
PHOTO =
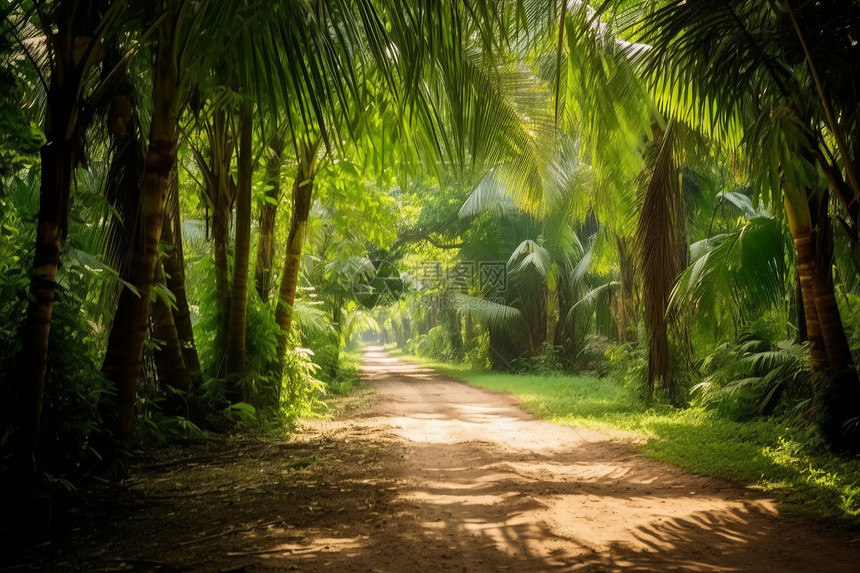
x=56, y=178
x=174, y=269
x=302, y=196
x=218, y=189
x=222, y=206
x=239, y=300
x=838, y=397
x=800, y=226
x=58, y=159
x=125, y=344
x=626, y=318
x=800, y=313
x=169, y=357
x=552, y=317
x=839, y=404
x=265, y=243
x=658, y=257
x=832, y=331
x=169, y=361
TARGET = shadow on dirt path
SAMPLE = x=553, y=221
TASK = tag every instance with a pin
x=431, y=474
x=495, y=488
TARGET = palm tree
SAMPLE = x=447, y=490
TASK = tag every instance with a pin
x=632, y=149
x=174, y=269
x=170, y=358
x=64, y=42
x=300, y=52
x=239, y=293
x=265, y=244
x=308, y=162
x=218, y=190
x=182, y=33
x=780, y=73
x=125, y=345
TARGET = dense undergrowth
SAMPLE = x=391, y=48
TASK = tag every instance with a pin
x=774, y=455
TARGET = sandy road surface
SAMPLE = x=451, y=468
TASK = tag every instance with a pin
x=430, y=474
x=496, y=489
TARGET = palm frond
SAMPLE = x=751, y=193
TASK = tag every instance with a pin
x=734, y=275
x=496, y=316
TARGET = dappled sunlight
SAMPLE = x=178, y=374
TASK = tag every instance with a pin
x=553, y=497
x=438, y=475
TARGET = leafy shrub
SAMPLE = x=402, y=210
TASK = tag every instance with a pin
x=347, y=377
x=627, y=362
x=301, y=393
x=593, y=357
x=260, y=384
x=160, y=429
x=434, y=344
x=754, y=378
x=71, y=421
x=546, y=362
x=326, y=353
x=478, y=352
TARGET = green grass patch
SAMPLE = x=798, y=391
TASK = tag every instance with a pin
x=786, y=462
x=346, y=379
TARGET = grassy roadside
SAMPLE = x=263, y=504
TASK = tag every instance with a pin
x=771, y=456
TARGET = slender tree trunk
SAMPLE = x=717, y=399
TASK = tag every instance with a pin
x=265, y=243
x=222, y=206
x=800, y=225
x=832, y=331
x=337, y=319
x=239, y=300
x=806, y=271
x=626, y=323
x=174, y=269
x=552, y=318
x=58, y=159
x=837, y=398
x=839, y=403
x=802, y=335
x=128, y=334
x=56, y=178
x=169, y=361
x=302, y=196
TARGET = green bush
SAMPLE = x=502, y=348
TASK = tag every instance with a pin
x=434, y=345
x=755, y=378
x=71, y=422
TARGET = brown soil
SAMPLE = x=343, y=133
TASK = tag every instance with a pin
x=429, y=474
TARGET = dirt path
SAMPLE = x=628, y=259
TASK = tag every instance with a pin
x=434, y=475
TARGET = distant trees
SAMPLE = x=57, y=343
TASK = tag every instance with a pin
x=675, y=112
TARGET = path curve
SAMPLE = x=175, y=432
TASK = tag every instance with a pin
x=429, y=474
x=493, y=488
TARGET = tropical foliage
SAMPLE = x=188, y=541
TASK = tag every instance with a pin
x=206, y=204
